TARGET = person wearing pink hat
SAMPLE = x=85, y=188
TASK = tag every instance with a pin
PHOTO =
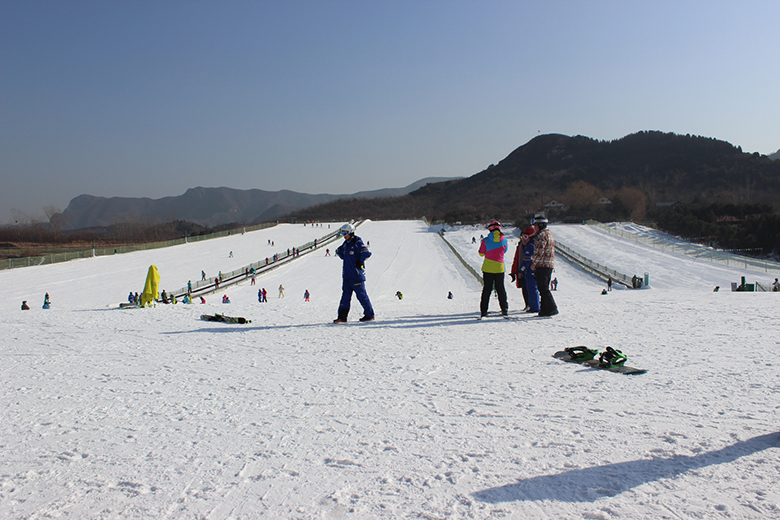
x=493, y=247
x=521, y=272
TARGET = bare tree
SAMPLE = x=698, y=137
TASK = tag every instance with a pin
x=56, y=218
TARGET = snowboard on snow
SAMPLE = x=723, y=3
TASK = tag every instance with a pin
x=611, y=360
x=223, y=318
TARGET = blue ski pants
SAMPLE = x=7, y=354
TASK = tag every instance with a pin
x=359, y=289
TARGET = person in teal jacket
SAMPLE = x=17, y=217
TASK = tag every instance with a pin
x=493, y=248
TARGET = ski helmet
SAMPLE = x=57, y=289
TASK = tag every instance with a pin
x=540, y=220
x=494, y=226
x=347, y=229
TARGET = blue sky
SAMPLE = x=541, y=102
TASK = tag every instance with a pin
x=150, y=98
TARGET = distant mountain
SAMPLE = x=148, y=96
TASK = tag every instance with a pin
x=207, y=206
x=775, y=156
x=635, y=172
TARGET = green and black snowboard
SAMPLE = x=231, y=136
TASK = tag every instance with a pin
x=611, y=359
x=223, y=318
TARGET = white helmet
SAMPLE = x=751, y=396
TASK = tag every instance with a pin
x=347, y=229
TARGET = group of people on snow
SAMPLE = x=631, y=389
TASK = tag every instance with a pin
x=531, y=269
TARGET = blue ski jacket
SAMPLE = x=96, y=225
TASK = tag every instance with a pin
x=354, y=254
x=528, y=256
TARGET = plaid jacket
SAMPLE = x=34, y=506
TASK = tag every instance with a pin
x=544, y=250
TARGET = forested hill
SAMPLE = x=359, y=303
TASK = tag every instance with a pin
x=665, y=166
x=633, y=173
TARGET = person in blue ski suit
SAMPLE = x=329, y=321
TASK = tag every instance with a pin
x=521, y=270
x=354, y=254
x=530, y=276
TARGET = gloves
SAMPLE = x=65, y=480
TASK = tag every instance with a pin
x=360, y=266
x=512, y=276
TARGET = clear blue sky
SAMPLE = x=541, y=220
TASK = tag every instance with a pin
x=150, y=98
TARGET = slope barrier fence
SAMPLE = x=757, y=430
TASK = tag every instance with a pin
x=462, y=261
x=697, y=252
x=204, y=287
x=600, y=271
x=53, y=258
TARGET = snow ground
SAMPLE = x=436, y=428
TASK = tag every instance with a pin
x=424, y=413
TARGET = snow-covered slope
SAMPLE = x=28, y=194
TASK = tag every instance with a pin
x=424, y=413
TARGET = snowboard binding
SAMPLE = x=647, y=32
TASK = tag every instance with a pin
x=581, y=353
x=612, y=358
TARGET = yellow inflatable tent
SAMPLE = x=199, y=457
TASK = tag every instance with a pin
x=151, y=286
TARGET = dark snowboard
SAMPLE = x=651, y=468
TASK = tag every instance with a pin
x=223, y=318
x=563, y=355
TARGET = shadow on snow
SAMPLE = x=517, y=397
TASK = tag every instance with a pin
x=591, y=484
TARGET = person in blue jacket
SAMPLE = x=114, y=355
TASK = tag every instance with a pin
x=354, y=254
x=526, y=273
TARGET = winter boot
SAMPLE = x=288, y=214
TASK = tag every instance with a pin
x=342, y=316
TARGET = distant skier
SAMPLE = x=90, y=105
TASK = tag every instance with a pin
x=493, y=248
x=46, y=302
x=354, y=254
x=25, y=307
x=449, y=295
x=542, y=264
x=281, y=291
x=399, y=295
x=306, y=295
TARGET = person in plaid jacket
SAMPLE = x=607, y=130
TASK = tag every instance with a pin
x=542, y=264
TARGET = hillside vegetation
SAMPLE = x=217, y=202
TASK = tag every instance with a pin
x=695, y=186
